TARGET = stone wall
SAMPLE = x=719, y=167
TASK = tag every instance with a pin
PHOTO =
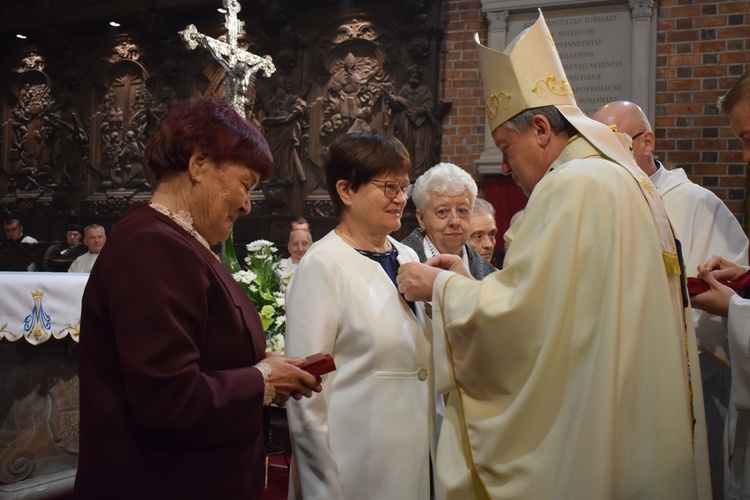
x=463, y=128
x=79, y=103
x=702, y=47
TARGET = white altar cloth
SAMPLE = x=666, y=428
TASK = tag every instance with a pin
x=40, y=306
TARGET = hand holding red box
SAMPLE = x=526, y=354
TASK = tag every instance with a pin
x=319, y=364
x=697, y=285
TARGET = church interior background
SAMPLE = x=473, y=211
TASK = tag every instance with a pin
x=79, y=99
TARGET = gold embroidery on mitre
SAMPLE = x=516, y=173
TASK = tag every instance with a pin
x=647, y=185
x=551, y=84
x=497, y=101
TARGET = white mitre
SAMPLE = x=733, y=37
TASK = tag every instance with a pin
x=528, y=74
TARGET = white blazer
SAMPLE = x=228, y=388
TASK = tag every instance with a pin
x=370, y=433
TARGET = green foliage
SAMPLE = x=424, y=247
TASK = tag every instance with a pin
x=261, y=280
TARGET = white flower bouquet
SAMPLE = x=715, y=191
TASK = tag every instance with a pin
x=261, y=280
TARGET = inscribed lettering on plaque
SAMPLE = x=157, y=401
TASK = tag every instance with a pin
x=595, y=48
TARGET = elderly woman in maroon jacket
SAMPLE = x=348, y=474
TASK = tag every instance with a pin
x=173, y=369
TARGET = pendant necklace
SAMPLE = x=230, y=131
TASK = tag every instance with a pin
x=351, y=243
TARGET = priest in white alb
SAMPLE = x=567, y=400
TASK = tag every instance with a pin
x=572, y=372
x=704, y=227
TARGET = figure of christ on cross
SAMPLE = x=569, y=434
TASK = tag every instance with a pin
x=240, y=65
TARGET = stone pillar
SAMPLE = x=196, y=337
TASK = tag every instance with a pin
x=490, y=160
x=643, y=63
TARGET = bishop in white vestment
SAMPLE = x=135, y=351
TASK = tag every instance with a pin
x=572, y=371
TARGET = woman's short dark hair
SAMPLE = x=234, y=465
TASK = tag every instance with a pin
x=212, y=127
x=358, y=157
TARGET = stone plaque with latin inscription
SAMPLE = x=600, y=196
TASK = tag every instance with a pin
x=595, y=48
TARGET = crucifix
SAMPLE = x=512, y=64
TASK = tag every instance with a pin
x=240, y=65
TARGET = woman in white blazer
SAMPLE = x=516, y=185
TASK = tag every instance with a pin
x=371, y=433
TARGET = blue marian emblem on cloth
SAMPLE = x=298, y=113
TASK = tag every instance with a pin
x=38, y=322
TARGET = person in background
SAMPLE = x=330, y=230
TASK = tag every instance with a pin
x=299, y=223
x=61, y=254
x=299, y=241
x=21, y=250
x=444, y=197
x=371, y=433
x=723, y=301
x=572, y=371
x=483, y=229
x=73, y=236
x=704, y=227
x=94, y=239
x=173, y=371
x=14, y=232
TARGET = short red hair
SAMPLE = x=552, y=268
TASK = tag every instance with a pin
x=212, y=127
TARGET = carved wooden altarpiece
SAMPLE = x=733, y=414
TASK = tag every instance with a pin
x=80, y=104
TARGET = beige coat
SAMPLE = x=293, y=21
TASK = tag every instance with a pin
x=571, y=362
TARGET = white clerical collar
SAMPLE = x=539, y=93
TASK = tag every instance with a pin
x=431, y=251
x=657, y=178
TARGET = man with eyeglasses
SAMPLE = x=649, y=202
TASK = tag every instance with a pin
x=705, y=227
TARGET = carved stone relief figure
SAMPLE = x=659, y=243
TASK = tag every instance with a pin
x=130, y=162
x=48, y=141
x=111, y=172
x=353, y=98
x=167, y=97
x=142, y=121
x=111, y=144
x=30, y=165
x=415, y=123
x=127, y=117
x=283, y=128
x=123, y=142
x=66, y=138
x=350, y=77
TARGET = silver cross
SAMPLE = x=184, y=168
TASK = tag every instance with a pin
x=240, y=65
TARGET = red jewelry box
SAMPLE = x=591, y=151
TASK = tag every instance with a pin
x=319, y=364
x=697, y=285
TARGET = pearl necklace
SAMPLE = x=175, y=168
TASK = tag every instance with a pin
x=182, y=219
